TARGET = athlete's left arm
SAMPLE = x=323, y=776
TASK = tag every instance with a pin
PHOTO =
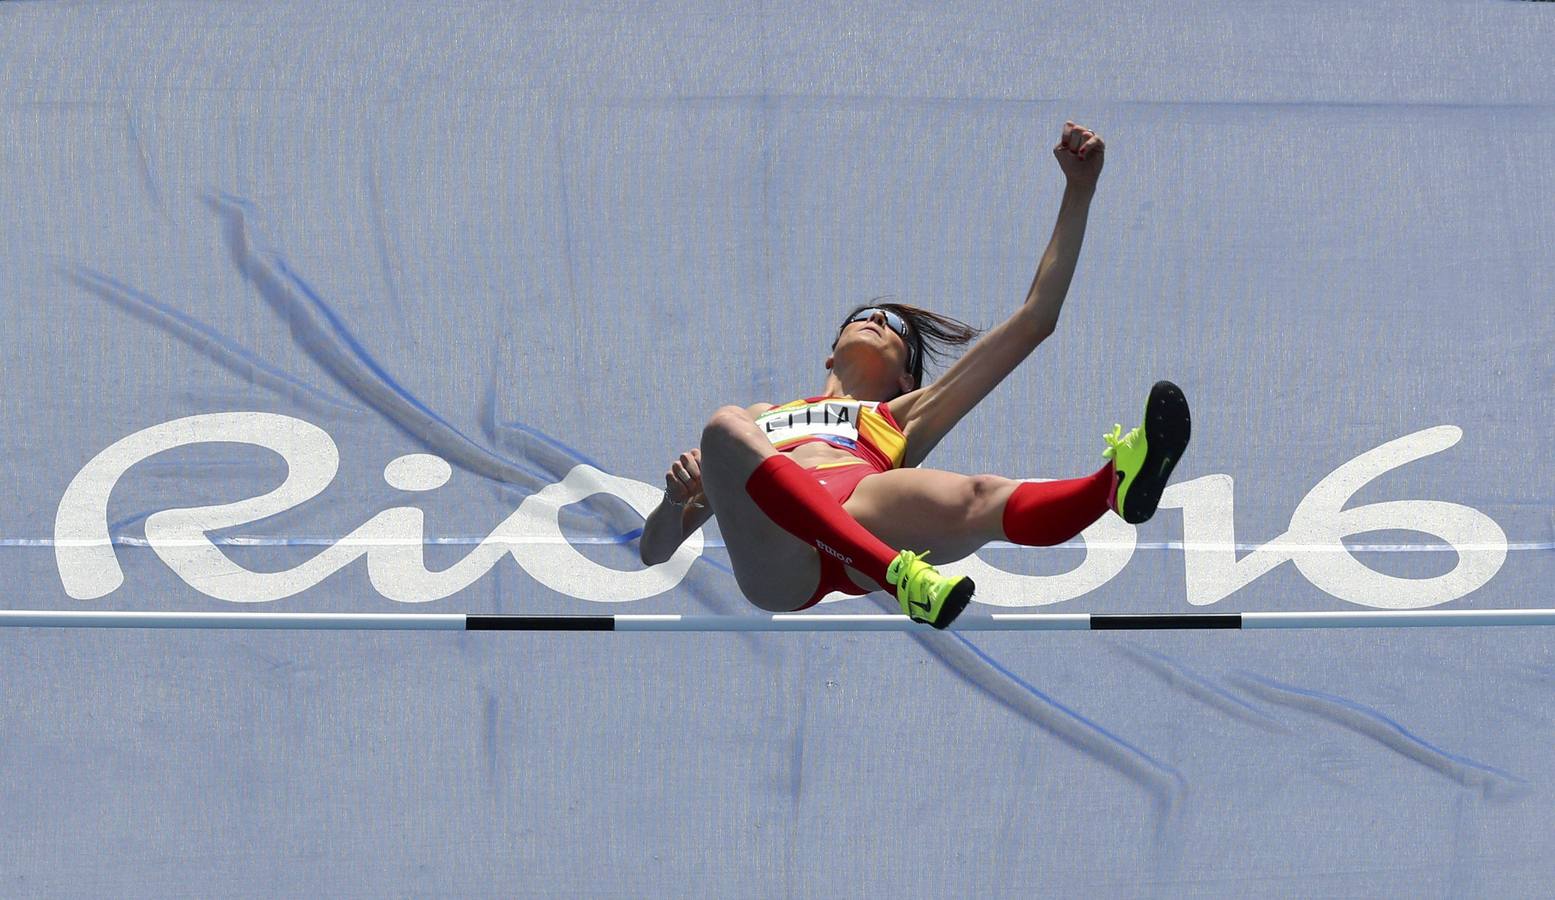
x=928, y=413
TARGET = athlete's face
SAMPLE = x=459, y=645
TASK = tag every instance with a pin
x=882, y=327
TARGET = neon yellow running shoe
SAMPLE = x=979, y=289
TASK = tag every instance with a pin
x=1144, y=458
x=925, y=594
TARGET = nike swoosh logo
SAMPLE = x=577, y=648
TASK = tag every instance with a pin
x=919, y=605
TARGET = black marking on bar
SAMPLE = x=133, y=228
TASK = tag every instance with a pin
x=1135, y=623
x=539, y=623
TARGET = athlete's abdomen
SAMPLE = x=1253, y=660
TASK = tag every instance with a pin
x=811, y=454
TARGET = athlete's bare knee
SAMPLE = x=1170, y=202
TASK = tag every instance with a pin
x=728, y=426
x=986, y=495
x=727, y=419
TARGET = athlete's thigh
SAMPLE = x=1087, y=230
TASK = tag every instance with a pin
x=776, y=570
x=919, y=510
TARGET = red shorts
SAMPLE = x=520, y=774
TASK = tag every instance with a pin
x=839, y=481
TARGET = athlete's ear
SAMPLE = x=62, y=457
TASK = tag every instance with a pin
x=829, y=362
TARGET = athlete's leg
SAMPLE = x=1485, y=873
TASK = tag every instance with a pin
x=775, y=570
x=951, y=515
x=789, y=496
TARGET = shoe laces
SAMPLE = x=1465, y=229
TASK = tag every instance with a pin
x=1116, y=438
x=906, y=565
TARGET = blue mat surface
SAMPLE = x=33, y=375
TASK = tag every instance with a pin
x=253, y=255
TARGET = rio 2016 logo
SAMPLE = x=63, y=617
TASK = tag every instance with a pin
x=393, y=539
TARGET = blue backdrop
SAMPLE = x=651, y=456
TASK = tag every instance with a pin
x=346, y=307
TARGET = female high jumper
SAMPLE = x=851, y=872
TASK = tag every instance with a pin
x=819, y=495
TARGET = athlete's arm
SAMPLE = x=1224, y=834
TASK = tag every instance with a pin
x=668, y=526
x=928, y=413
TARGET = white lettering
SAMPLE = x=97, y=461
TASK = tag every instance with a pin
x=82, y=547
x=1315, y=542
x=846, y=560
x=393, y=539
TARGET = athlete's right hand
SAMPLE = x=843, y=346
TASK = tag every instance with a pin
x=1081, y=153
x=683, y=481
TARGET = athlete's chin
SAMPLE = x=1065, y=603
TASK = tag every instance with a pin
x=866, y=355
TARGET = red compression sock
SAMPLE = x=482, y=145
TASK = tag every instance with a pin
x=800, y=506
x=1043, y=513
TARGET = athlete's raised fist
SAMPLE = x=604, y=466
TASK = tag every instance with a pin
x=1081, y=154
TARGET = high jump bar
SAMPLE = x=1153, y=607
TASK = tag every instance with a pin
x=1428, y=618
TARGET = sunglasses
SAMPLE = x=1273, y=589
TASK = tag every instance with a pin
x=893, y=321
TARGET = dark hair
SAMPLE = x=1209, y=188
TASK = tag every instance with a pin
x=932, y=333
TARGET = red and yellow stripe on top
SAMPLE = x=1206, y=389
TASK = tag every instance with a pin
x=864, y=428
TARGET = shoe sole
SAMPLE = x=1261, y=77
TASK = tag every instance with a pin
x=960, y=596
x=1167, y=428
